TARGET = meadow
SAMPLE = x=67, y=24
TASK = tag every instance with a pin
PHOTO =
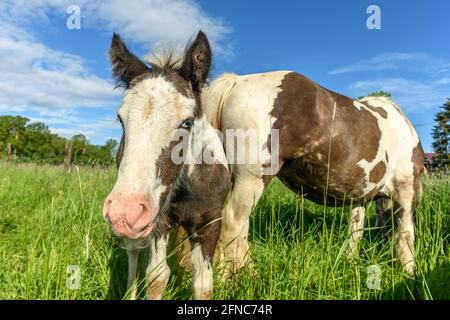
x=51, y=219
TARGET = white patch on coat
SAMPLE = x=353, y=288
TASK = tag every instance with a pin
x=398, y=139
x=158, y=272
x=358, y=105
x=150, y=112
x=245, y=102
x=133, y=256
x=242, y=102
x=355, y=229
x=202, y=275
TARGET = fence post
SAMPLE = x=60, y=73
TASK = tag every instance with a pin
x=8, y=151
x=68, y=154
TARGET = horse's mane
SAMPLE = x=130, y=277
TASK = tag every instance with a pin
x=214, y=96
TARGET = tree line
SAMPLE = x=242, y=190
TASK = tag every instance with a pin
x=441, y=134
x=25, y=141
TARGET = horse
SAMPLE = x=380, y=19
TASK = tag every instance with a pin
x=160, y=183
x=331, y=148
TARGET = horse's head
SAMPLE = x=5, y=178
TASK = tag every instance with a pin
x=159, y=99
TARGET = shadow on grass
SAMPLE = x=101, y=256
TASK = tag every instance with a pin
x=432, y=285
x=118, y=266
x=296, y=217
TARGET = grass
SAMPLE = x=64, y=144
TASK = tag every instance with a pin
x=50, y=220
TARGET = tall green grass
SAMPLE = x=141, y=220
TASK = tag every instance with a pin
x=51, y=219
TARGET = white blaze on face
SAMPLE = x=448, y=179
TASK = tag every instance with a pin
x=151, y=111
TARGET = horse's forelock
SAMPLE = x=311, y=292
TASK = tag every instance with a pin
x=168, y=57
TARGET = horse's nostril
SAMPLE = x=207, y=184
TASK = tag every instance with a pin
x=144, y=227
x=144, y=208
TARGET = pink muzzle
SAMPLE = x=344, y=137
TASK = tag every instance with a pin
x=130, y=216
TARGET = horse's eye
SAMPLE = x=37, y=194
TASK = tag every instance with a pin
x=186, y=124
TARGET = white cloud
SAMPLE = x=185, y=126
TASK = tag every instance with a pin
x=143, y=21
x=70, y=132
x=410, y=94
x=392, y=61
x=50, y=86
x=38, y=77
x=417, y=81
x=56, y=87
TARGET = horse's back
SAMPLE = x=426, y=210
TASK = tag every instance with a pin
x=329, y=145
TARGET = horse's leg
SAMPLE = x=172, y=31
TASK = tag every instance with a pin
x=355, y=229
x=233, y=248
x=406, y=196
x=203, y=245
x=157, y=274
x=384, y=209
x=133, y=255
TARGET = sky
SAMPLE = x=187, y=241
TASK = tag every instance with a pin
x=61, y=76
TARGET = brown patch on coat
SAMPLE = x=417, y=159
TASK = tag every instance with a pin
x=206, y=295
x=167, y=170
x=119, y=154
x=198, y=202
x=183, y=254
x=378, y=110
x=351, y=136
x=125, y=65
x=377, y=173
x=183, y=86
x=418, y=157
x=156, y=289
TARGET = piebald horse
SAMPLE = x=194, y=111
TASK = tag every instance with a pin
x=328, y=147
x=331, y=149
x=160, y=185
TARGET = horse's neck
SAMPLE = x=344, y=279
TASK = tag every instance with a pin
x=205, y=145
x=214, y=97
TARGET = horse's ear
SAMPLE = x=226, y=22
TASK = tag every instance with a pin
x=197, y=62
x=125, y=65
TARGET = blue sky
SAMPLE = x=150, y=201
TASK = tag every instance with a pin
x=62, y=77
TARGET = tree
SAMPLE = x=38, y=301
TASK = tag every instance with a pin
x=380, y=93
x=110, y=147
x=12, y=130
x=38, y=127
x=441, y=133
x=35, y=142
